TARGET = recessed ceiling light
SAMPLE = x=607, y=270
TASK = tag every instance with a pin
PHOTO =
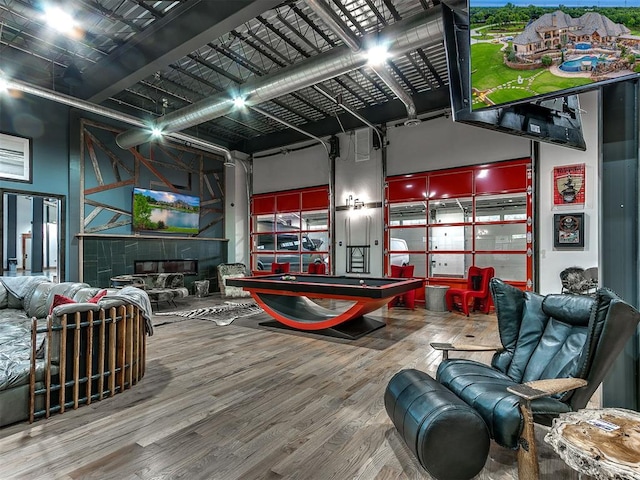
x=59, y=20
x=377, y=55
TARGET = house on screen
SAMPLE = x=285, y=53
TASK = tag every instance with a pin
x=559, y=28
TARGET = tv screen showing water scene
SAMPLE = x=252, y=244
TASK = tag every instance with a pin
x=165, y=212
x=522, y=50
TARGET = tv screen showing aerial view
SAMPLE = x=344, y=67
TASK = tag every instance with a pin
x=522, y=50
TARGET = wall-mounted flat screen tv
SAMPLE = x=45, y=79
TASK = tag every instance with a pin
x=165, y=212
x=552, y=120
x=530, y=49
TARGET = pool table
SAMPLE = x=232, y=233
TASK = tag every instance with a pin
x=287, y=299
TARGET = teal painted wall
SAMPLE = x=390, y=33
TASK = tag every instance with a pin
x=55, y=133
x=47, y=124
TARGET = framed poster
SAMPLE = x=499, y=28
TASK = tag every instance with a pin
x=15, y=158
x=568, y=230
x=569, y=185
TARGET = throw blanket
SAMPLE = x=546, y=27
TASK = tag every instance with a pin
x=15, y=352
x=139, y=298
x=20, y=286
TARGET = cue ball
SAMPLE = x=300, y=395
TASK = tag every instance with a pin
x=361, y=282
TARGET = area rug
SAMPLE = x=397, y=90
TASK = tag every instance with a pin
x=223, y=314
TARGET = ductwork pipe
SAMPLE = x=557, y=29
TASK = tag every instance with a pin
x=422, y=30
x=108, y=113
x=289, y=125
x=335, y=23
x=396, y=88
x=326, y=93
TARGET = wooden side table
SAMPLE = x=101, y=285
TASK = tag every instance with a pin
x=602, y=443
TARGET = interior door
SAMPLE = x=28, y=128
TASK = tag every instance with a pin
x=26, y=252
x=17, y=229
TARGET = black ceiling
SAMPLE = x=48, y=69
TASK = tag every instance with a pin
x=150, y=58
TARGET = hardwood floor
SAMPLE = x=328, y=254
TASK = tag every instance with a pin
x=244, y=402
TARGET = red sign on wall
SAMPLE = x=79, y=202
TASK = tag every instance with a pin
x=569, y=185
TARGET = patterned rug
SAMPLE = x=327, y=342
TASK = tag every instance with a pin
x=223, y=314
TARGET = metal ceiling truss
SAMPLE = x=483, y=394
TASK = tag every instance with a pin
x=215, y=49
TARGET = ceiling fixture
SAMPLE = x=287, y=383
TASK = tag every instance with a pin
x=59, y=20
x=156, y=132
x=239, y=102
x=377, y=55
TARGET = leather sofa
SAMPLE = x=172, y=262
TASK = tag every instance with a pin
x=28, y=307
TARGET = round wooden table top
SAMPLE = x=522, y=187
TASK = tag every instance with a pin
x=603, y=443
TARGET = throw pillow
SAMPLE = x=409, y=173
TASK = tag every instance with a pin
x=60, y=300
x=96, y=298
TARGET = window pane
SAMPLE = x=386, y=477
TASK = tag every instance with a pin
x=264, y=223
x=495, y=208
x=401, y=239
x=288, y=241
x=457, y=210
x=450, y=238
x=315, y=241
x=508, y=266
x=288, y=222
x=419, y=261
x=264, y=241
x=264, y=261
x=308, y=259
x=410, y=213
x=315, y=220
x=449, y=265
x=501, y=237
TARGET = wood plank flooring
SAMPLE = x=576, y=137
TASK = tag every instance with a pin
x=244, y=402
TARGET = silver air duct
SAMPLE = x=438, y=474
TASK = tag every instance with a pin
x=333, y=21
x=422, y=30
x=113, y=114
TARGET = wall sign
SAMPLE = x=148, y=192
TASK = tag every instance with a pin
x=568, y=230
x=569, y=185
x=15, y=158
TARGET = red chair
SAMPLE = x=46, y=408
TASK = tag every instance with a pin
x=280, y=267
x=477, y=292
x=407, y=299
x=317, y=268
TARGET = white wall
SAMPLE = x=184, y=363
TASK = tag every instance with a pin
x=441, y=143
x=551, y=261
x=236, y=224
x=296, y=169
x=364, y=181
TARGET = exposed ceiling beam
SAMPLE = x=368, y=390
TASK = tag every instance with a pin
x=391, y=111
x=185, y=29
x=417, y=31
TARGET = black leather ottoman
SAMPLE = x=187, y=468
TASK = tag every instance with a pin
x=448, y=437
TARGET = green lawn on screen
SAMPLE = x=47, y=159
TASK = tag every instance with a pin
x=489, y=72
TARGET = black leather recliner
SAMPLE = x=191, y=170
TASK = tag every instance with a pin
x=555, y=351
